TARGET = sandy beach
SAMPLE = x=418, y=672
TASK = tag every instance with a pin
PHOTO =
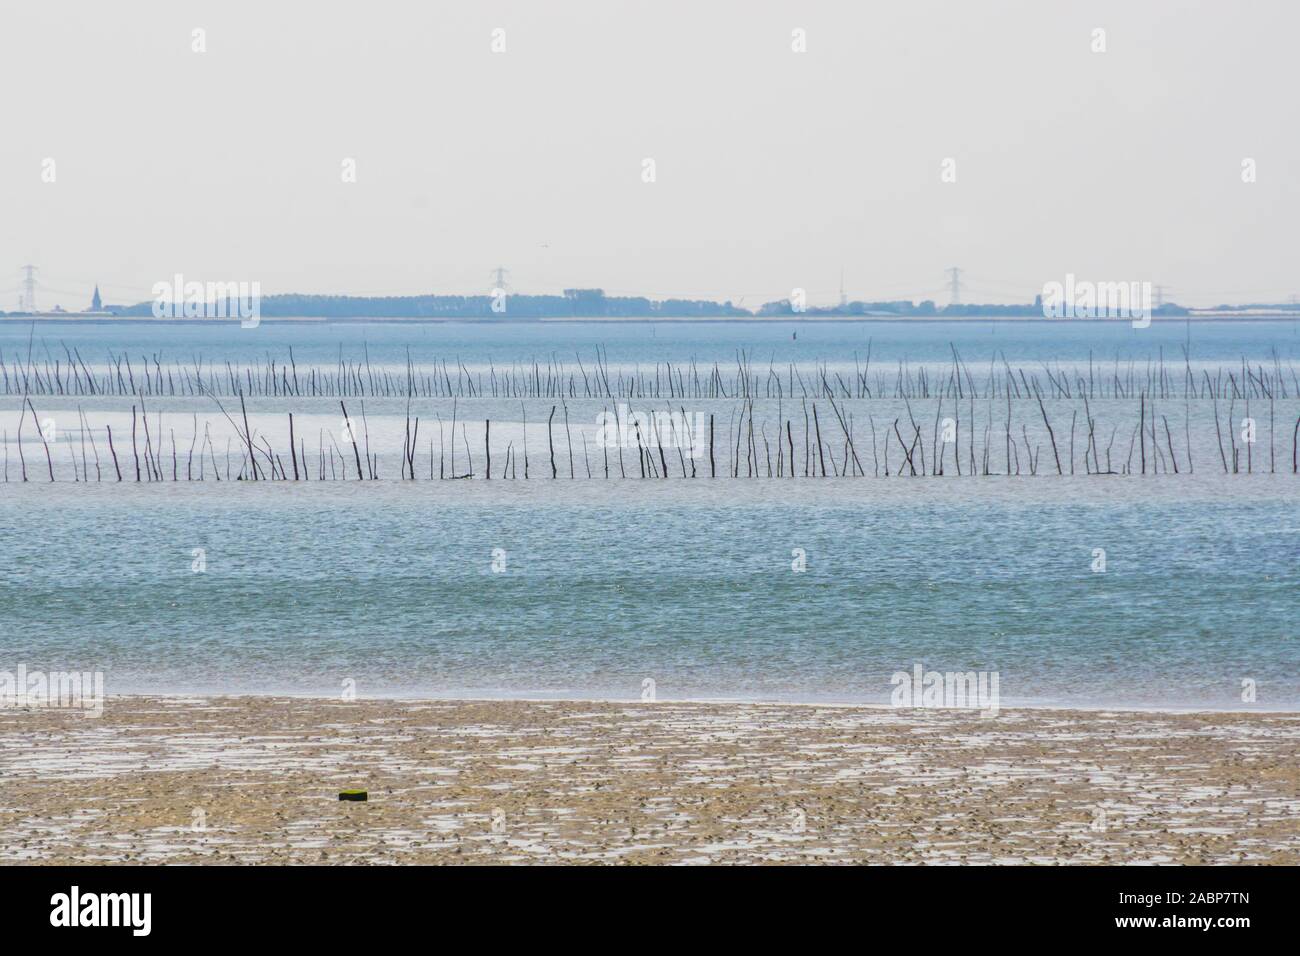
x=256, y=780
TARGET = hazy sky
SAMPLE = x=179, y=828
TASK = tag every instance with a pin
x=774, y=169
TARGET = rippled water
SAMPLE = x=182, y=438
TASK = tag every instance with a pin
x=689, y=583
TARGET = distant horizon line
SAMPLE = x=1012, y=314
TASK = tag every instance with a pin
x=593, y=303
x=105, y=318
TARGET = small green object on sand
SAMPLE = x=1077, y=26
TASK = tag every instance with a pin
x=353, y=795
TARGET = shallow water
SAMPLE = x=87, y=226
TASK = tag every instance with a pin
x=389, y=587
x=691, y=585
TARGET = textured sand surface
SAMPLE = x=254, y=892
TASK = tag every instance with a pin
x=246, y=780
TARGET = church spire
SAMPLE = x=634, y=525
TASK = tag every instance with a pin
x=95, y=304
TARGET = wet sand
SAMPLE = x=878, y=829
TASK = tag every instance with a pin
x=256, y=780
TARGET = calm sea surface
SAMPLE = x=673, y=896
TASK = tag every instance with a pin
x=629, y=343
x=599, y=584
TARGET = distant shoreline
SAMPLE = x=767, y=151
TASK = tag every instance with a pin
x=634, y=320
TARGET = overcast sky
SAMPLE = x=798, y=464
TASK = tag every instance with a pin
x=774, y=169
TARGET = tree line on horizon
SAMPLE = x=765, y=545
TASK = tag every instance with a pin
x=594, y=303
